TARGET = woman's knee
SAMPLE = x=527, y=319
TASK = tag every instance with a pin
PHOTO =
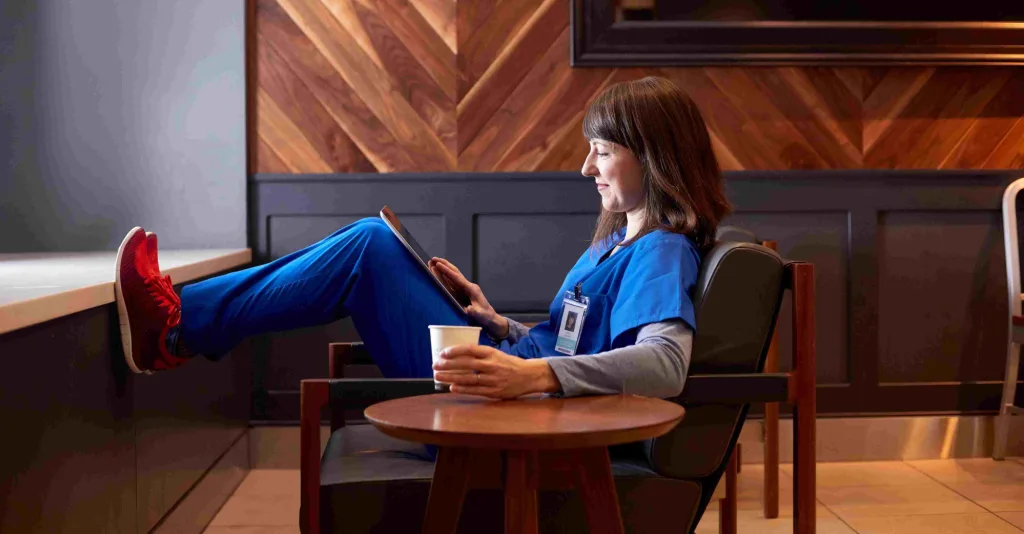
x=371, y=221
x=376, y=230
x=370, y=233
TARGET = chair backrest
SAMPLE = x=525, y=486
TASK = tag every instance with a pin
x=735, y=234
x=1010, y=243
x=737, y=300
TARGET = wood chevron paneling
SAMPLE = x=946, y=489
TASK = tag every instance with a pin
x=483, y=85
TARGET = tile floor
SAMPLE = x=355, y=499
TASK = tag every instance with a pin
x=977, y=496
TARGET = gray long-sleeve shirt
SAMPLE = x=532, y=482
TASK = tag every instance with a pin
x=655, y=366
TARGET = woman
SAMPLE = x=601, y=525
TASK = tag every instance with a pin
x=661, y=202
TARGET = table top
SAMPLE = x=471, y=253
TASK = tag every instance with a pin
x=38, y=287
x=534, y=422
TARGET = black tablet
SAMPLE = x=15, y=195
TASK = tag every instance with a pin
x=422, y=257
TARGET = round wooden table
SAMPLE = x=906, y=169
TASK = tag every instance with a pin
x=523, y=445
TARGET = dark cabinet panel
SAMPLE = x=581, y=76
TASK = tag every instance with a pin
x=69, y=450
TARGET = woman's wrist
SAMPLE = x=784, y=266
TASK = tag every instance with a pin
x=543, y=377
x=498, y=328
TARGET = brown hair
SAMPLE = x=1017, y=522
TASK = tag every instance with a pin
x=682, y=182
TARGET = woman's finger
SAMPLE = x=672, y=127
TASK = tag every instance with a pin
x=456, y=377
x=449, y=264
x=464, y=364
x=454, y=277
x=465, y=378
x=475, y=351
x=483, y=391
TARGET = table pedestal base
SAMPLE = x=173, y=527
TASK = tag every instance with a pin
x=521, y=473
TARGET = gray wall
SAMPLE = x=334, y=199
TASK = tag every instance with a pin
x=115, y=113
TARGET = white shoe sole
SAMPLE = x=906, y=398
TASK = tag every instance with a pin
x=122, y=310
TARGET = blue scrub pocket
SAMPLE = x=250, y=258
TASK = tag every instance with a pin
x=595, y=336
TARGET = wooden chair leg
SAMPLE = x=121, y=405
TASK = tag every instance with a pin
x=314, y=395
x=770, y=503
x=805, y=400
x=727, y=505
x=739, y=458
x=770, y=499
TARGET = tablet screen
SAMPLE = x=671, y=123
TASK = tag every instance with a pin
x=424, y=258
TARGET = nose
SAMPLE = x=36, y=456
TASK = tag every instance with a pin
x=589, y=169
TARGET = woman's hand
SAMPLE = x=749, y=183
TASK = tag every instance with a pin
x=479, y=309
x=492, y=373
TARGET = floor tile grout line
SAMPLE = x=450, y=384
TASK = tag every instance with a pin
x=1007, y=521
x=931, y=478
x=248, y=526
x=833, y=512
x=982, y=506
x=985, y=512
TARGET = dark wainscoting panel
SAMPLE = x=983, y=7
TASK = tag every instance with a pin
x=910, y=302
x=942, y=282
x=289, y=233
x=522, y=259
x=821, y=238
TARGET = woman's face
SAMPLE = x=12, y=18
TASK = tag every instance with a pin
x=618, y=174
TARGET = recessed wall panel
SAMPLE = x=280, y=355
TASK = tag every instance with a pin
x=818, y=238
x=521, y=260
x=942, y=296
x=289, y=233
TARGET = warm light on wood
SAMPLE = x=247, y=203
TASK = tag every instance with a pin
x=409, y=86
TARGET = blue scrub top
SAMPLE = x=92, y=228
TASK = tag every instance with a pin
x=647, y=282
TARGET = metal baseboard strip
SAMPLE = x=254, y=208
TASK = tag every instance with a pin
x=840, y=439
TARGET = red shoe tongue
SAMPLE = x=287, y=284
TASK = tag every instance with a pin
x=161, y=289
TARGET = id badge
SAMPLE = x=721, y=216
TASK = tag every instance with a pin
x=574, y=310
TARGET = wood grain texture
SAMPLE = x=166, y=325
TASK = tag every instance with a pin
x=530, y=422
x=298, y=104
x=483, y=85
x=447, y=490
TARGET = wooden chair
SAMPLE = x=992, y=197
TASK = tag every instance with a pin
x=363, y=479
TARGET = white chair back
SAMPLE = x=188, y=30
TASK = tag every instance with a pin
x=1013, y=291
x=1010, y=242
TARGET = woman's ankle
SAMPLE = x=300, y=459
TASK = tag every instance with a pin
x=175, y=345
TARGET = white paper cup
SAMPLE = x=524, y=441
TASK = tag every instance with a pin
x=442, y=337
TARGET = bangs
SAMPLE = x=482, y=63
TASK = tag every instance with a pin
x=602, y=121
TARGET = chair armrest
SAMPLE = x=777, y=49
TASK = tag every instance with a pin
x=341, y=354
x=360, y=393
x=733, y=389
x=339, y=395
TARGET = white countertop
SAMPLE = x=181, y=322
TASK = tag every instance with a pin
x=37, y=287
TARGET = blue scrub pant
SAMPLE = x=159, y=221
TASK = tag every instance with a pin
x=362, y=271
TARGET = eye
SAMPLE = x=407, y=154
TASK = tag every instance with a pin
x=602, y=154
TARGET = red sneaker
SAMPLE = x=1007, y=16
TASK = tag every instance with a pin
x=146, y=305
x=151, y=249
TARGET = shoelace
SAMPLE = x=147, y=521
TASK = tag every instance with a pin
x=161, y=289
